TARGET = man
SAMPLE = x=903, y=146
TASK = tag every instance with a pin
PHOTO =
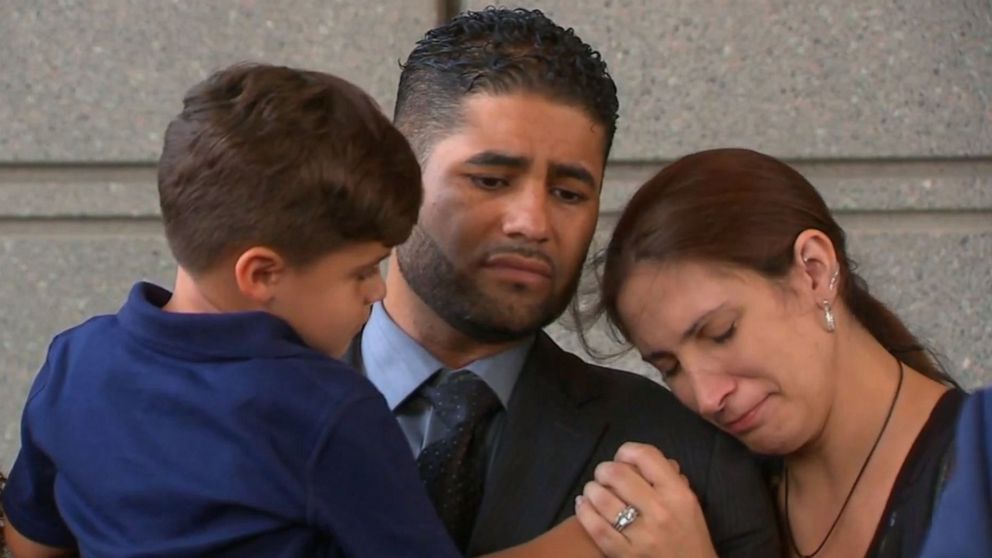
x=512, y=118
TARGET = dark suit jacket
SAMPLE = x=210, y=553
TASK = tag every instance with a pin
x=567, y=416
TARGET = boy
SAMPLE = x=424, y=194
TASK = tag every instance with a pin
x=211, y=421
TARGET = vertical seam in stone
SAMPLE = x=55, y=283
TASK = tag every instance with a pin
x=447, y=9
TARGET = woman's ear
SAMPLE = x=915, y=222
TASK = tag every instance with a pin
x=257, y=272
x=816, y=263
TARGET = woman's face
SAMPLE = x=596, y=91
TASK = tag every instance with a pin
x=747, y=354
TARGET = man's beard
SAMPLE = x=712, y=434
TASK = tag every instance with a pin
x=460, y=301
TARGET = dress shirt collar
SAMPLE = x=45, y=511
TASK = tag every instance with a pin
x=398, y=365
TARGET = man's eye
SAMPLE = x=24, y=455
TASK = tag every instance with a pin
x=569, y=196
x=489, y=182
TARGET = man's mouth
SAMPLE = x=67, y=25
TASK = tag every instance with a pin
x=520, y=269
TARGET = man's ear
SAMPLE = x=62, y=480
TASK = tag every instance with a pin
x=257, y=272
x=817, y=264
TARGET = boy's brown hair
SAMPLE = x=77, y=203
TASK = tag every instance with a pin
x=299, y=161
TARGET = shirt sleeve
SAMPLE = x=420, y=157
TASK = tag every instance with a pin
x=962, y=524
x=29, y=498
x=364, y=488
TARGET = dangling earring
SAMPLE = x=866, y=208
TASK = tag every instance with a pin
x=829, y=322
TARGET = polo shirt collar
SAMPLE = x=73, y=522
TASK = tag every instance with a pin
x=236, y=334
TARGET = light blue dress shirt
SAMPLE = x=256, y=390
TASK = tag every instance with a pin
x=397, y=365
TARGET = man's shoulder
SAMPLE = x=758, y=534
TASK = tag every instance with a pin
x=548, y=355
x=632, y=407
x=612, y=388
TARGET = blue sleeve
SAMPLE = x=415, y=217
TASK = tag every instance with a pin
x=962, y=524
x=29, y=499
x=364, y=488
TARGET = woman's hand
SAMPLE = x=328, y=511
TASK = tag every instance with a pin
x=669, y=520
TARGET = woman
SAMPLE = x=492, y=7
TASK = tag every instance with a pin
x=728, y=274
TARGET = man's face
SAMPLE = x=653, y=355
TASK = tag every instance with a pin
x=511, y=199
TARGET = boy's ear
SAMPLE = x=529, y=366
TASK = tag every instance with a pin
x=257, y=271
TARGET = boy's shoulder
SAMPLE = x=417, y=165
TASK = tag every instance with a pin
x=297, y=373
x=304, y=384
x=103, y=328
x=323, y=374
x=306, y=395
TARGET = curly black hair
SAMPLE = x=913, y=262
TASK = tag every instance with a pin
x=497, y=51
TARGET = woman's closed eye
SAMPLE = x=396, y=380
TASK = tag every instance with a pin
x=670, y=372
x=726, y=335
x=667, y=366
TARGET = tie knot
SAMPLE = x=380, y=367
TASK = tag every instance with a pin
x=462, y=398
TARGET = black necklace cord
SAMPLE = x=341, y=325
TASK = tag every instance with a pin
x=857, y=479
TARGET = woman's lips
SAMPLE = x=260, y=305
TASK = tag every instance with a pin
x=746, y=421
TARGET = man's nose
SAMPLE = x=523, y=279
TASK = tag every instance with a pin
x=527, y=213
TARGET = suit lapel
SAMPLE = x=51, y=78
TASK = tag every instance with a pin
x=545, y=445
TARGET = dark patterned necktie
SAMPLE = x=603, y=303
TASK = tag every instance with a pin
x=453, y=467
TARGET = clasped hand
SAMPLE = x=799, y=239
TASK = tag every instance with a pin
x=669, y=520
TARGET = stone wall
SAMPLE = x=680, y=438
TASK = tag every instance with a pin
x=883, y=104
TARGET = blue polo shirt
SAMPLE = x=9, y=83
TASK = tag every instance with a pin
x=962, y=522
x=151, y=433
